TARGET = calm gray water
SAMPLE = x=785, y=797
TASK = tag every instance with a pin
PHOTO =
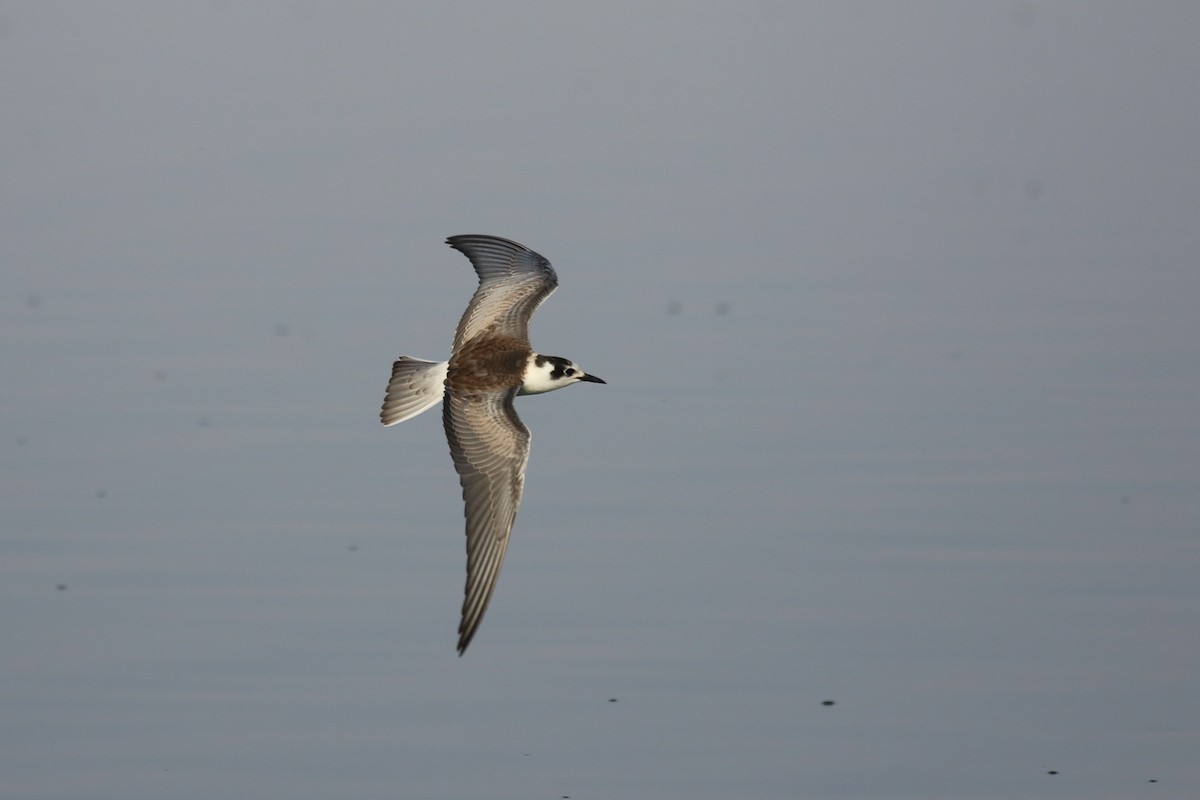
x=898, y=310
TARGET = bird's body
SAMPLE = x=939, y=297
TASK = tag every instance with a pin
x=492, y=362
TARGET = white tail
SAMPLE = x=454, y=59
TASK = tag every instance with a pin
x=416, y=385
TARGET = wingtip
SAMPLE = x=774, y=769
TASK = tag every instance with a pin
x=458, y=238
x=466, y=242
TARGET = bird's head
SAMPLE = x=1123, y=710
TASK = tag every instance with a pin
x=547, y=373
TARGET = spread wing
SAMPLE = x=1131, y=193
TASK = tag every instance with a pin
x=513, y=282
x=490, y=447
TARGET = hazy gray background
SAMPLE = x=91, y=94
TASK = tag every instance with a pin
x=898, y=306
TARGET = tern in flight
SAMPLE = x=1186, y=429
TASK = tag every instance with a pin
x=492, y=362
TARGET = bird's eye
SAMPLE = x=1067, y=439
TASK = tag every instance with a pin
x=569, y=371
